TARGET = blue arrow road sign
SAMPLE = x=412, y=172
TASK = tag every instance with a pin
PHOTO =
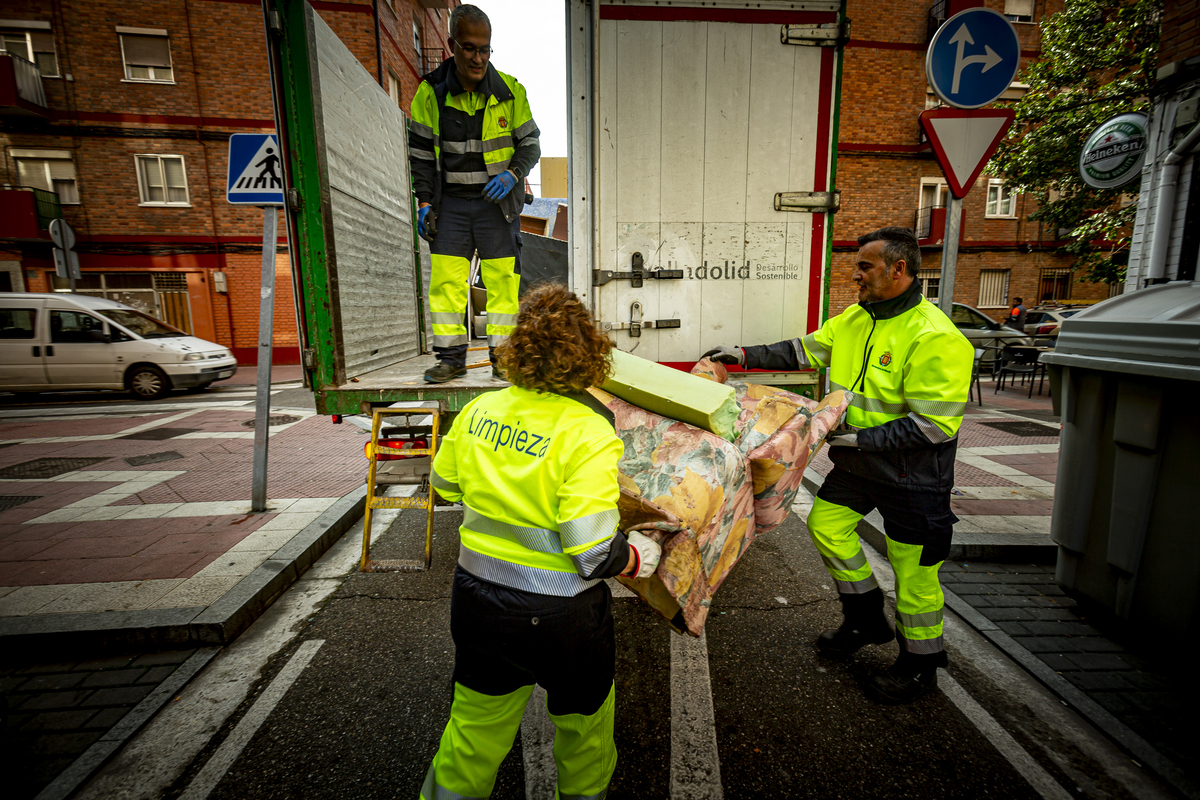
x=255, y=170
x=973, y=58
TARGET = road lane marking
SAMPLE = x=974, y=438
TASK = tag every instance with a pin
x=695, y=765
x=1002, y=740
x=208, y=777
x=537, y=748
x=1022, y=762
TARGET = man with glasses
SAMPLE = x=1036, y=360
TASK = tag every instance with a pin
x=472, y=140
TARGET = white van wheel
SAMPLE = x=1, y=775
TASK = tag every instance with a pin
x=148, y=383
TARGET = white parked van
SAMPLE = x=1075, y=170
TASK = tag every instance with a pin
x=55, y=342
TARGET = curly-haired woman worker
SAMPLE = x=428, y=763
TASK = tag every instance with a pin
x=535, y=467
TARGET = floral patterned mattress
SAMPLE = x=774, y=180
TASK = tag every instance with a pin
x=705, y=499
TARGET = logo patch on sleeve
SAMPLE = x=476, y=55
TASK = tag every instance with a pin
x=885, y=359
x=503, y=123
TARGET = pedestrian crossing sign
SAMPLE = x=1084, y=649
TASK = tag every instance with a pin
x=255, y=170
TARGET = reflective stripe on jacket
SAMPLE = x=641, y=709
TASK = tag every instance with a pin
x=458, y=144
x=910, y=370
x=537, y=474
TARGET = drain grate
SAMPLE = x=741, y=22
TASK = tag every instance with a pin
x=153, y=458
x=46, y=468
x=8, y=501
x=278, y=419
x=158, y=434
x=1022, y=428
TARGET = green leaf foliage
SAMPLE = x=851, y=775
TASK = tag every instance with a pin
x=1098, y=60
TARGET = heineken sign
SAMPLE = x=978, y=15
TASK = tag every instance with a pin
x=1114, y=152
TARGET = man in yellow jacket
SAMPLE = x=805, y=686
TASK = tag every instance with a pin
x=910, y=370
x=535, y=467
x=472, y=141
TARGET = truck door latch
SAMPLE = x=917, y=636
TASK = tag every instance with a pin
x=818, y=202
x=829, y=34
x=636, y=275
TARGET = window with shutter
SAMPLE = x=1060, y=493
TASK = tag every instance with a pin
x=162, y=180
x=147, y=58
x=993, y=288
x=42, y=44
x=51, y=174
x=1019, y=10
x=931, y=281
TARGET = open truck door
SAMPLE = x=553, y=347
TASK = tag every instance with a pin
x=702, y=158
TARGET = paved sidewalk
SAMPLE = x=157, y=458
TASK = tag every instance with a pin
x=146, y=509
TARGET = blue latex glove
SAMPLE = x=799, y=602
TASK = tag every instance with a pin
x=499, y=186
x=426, y=223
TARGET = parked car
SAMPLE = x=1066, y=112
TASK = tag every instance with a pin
x=60, y=341
x=983, y=331
x=1047, y=321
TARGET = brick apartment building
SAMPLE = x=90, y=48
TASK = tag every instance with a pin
x=126, y=129
x=888, y=176
x=125, y=134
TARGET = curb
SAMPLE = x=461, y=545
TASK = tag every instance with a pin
x=197, y=626
x=870, y=529
x=94, y=757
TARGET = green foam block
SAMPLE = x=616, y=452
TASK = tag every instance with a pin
x=674, y=394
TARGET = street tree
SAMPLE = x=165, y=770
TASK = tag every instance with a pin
x=1098, y=59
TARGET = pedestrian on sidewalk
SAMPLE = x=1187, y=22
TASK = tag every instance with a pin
x=910, y=369
x=1016, y=317
x=535, y=466
x=472, y=140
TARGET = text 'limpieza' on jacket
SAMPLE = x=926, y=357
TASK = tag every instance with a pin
x=537, y=476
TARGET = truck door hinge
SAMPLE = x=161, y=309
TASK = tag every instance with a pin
x=828, y=34
x=274, y=23
x=294, y=201
x=809, y=201
x=636, y=275
x=310, y=358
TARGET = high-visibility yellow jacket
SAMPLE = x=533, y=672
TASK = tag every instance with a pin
x=537, y=474
x=910, y=370
x=459, y=140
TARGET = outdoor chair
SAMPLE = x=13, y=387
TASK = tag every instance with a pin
x=1016, y=362
x=975, y=383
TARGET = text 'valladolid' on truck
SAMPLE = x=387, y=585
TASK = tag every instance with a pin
x=702, y=173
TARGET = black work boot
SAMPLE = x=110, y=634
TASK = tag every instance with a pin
x=864, y=623
x=444, y=371
x=912, y=676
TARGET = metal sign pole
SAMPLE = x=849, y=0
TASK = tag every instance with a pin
x=950, y=255
x=266, y=331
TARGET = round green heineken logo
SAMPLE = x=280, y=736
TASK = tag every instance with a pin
x=1114, y=152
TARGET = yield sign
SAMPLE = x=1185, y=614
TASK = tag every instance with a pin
x=963, y=140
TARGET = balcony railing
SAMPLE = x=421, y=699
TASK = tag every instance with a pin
x=924, y=225
x=26, y=212
x=431, y=59
x=21, y=83
x=48, y=206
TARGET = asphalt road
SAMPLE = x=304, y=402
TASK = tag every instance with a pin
x=363, y=717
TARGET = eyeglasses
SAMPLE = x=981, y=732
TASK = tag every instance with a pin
x=471, y=50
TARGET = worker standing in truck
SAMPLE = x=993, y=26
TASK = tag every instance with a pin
x=472, y=140
x=910, y=370
x=535, y=467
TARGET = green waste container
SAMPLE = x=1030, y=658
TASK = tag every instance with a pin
x=1126, y=381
